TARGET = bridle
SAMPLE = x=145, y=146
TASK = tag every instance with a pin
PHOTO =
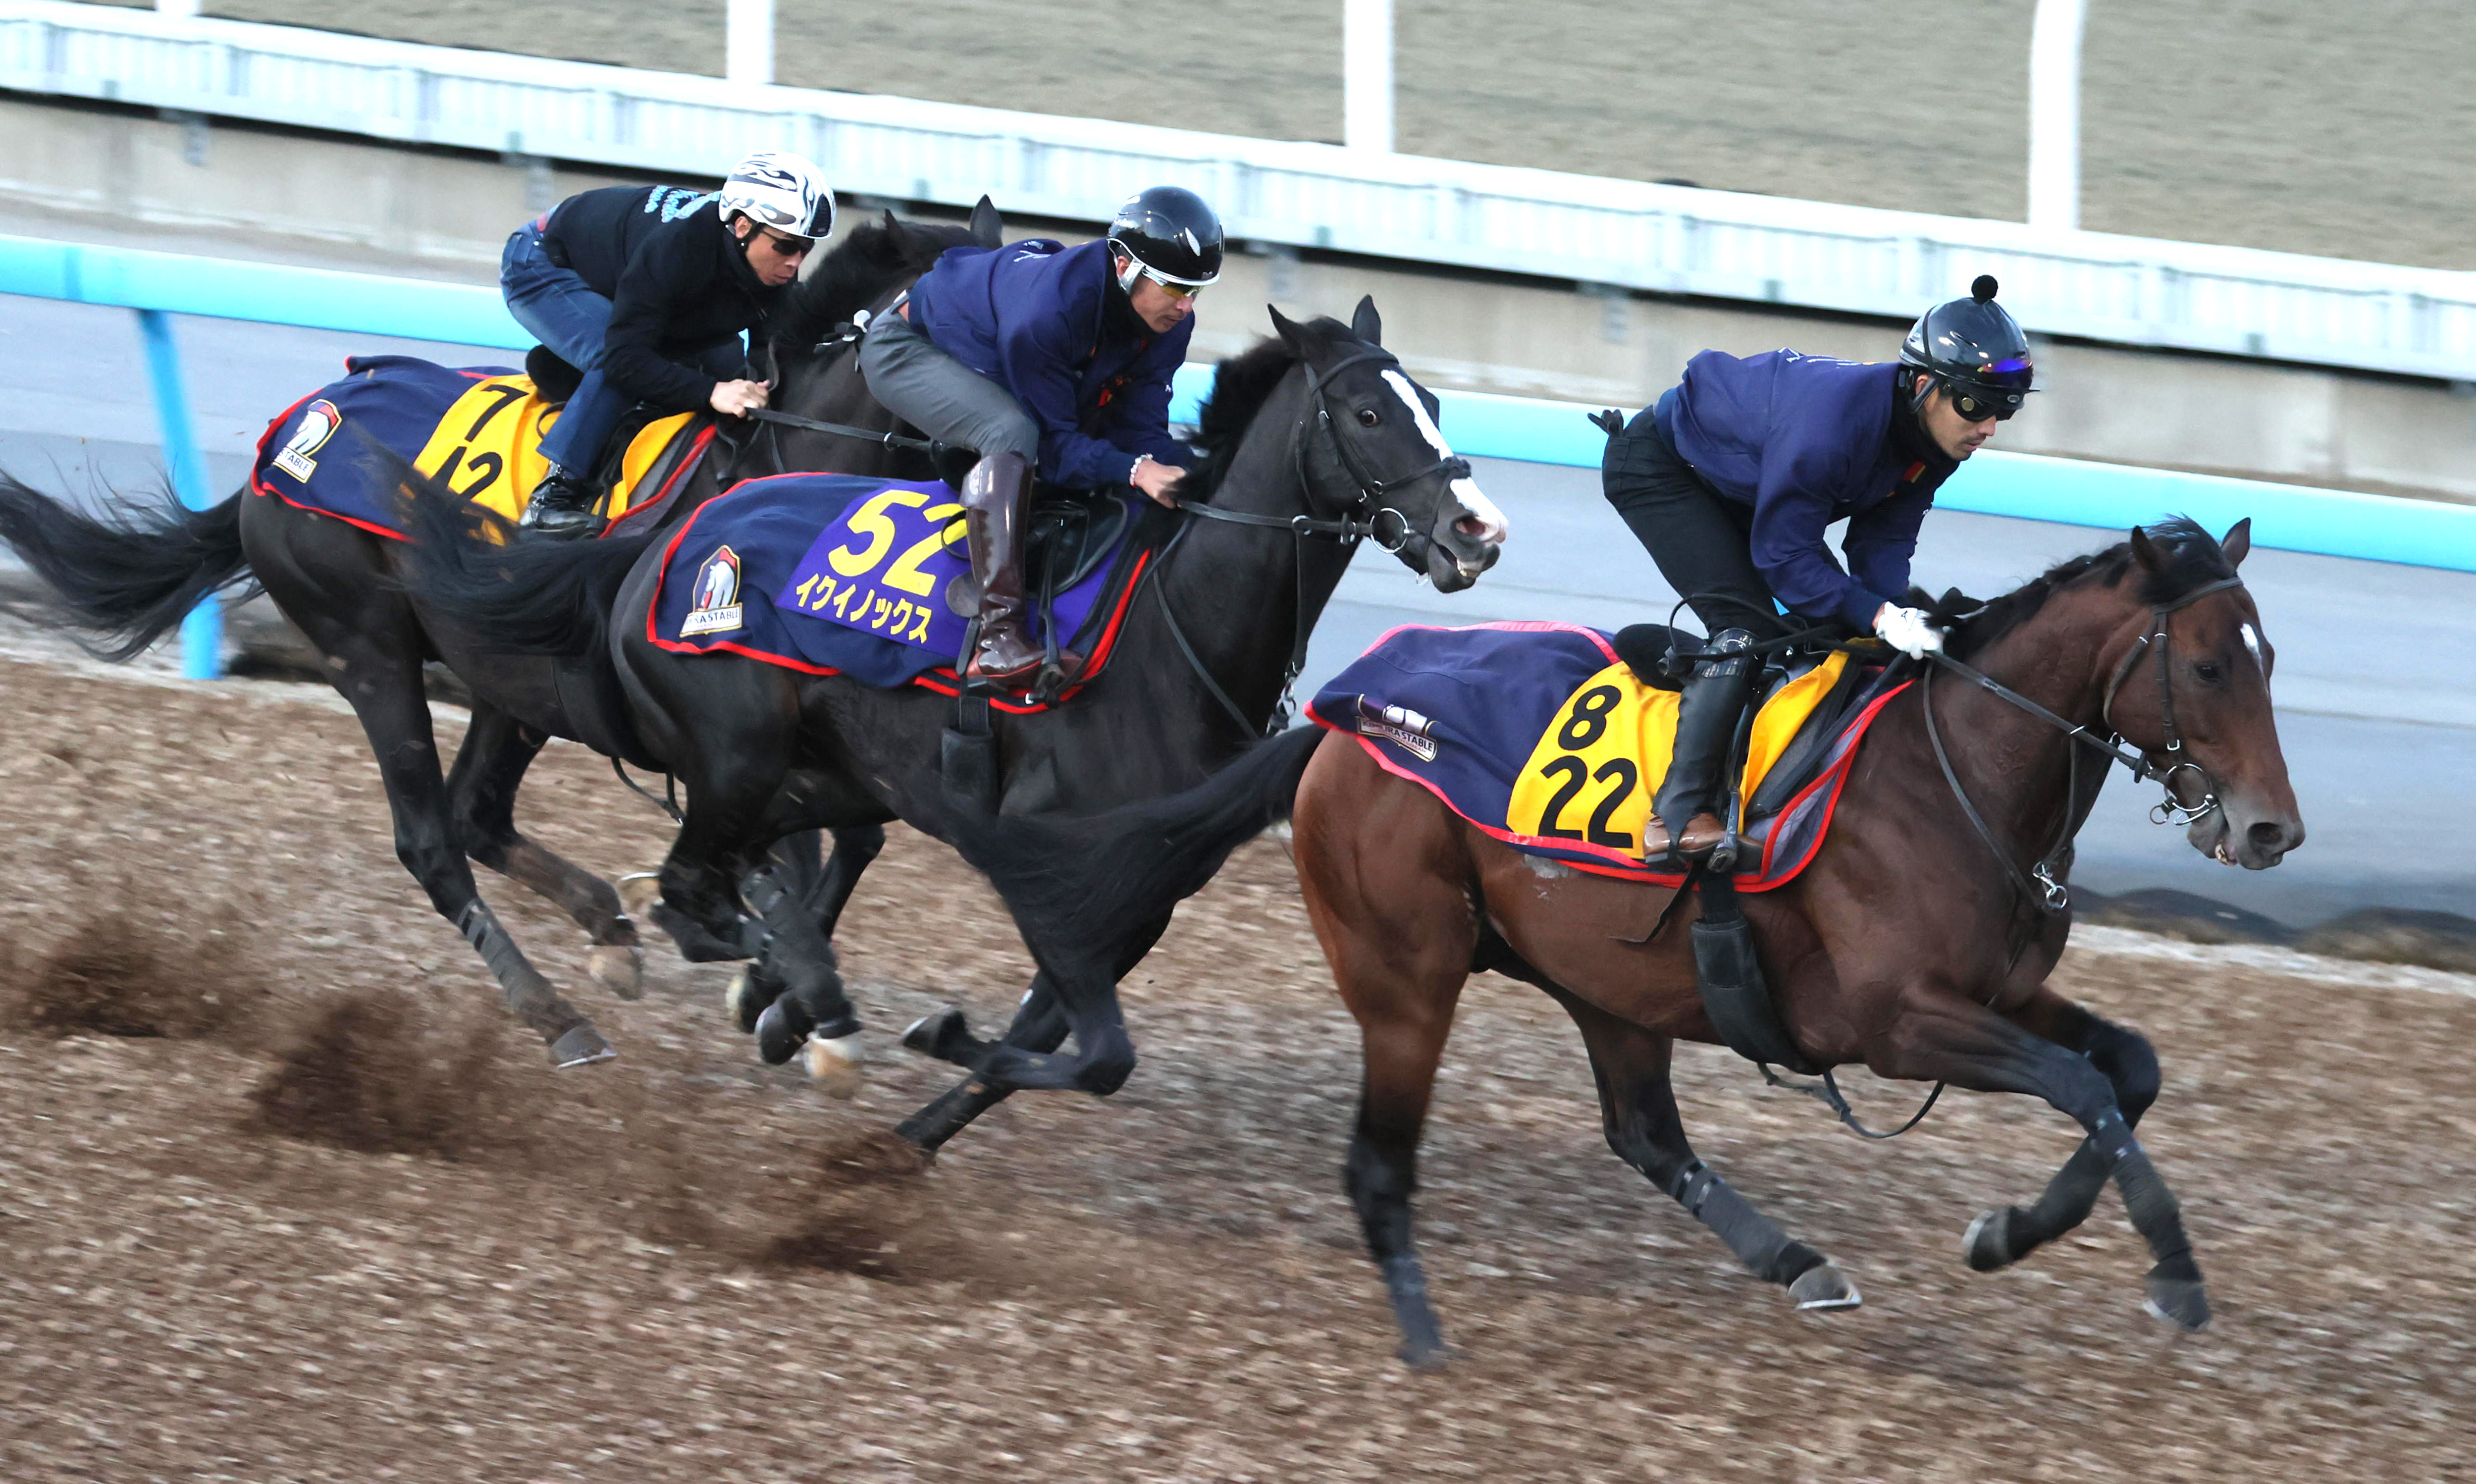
x=2044, y=882
x=1364, y=521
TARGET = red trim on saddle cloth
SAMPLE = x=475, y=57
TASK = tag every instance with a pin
x=943, y=680
x=1771, y=874
x=257, y=487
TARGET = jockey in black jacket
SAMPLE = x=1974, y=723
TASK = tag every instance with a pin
x=647, y=290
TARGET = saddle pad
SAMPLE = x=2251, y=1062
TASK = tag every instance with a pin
x=839, y=574
x=1539, y=735
x=477, y=430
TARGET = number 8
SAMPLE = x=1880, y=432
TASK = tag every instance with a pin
x=1590, y=718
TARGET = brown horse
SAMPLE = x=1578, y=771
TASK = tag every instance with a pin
x=1902, y=947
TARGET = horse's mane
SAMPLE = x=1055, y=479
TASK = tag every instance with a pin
x=2193, y=559
x=877, y=255
x=1241, y=385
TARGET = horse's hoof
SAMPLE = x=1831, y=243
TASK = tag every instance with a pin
x=1427, y=1359
x=834, y=1064
x=619, y=968
x=2182, y=1302
x=1988, y=1241
x=779, y=1033
x=933, y=1034
x=582, y=1046
x=1824, y=1288
x=638, y=891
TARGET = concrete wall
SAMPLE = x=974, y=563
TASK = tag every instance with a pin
x=254, y=192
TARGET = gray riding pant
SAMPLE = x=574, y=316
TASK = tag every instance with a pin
x=939, y=395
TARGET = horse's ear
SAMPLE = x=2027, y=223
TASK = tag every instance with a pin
x=1365, y=323
x=2145, y=552
x=988, y=228
x=1291, y=333
x=893, y=227
x=2236, y=543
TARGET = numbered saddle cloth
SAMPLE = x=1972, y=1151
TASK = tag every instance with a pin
x=1539, y=735
x=477, y=430
x=839, y=574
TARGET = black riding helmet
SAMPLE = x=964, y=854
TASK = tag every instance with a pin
x=1171, y=234
x=1974, y=348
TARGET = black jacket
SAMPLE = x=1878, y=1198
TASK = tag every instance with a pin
x=677, y=280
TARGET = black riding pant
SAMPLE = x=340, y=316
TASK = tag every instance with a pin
x=1701, y=539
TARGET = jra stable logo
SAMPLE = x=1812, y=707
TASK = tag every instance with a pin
x=716, y=608
x=319, y=421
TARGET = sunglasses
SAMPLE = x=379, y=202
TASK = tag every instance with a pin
x=1173, y=289
x=1975, y=408
x=783, y=244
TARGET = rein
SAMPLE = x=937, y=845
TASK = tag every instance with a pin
x=841, y=430
x=1364, y=523
x=2043, y=883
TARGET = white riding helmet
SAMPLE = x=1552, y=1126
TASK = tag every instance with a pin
x=782, y=191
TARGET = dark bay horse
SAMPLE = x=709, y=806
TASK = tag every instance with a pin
x=1902, y=947
x=130, y=577
x=1311, y=440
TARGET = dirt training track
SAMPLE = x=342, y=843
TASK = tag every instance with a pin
x=340, y=1221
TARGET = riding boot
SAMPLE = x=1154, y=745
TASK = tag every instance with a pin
x=996, y=496
x=562, y=506
x=1689, y=799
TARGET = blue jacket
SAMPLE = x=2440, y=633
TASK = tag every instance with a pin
x=1047, y=324
x=1807, y=440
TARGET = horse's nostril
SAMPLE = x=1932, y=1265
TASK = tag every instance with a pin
x=2266, y=836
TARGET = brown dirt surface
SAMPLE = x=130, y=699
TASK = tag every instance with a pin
x=378, y=1238
x=2342, y=130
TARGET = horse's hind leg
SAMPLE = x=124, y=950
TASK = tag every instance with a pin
x=2000, y=1238
x=1638, y=1109
x=382, y=682
x=482, y=789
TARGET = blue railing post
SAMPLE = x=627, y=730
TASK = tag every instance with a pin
x=202, y=632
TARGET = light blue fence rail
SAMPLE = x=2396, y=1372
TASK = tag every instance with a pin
x=2288, y=517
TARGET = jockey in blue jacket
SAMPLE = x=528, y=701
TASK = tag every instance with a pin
x=1049, y=359
x=1733, y=477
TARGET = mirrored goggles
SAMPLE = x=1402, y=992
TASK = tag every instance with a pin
x=1173, y=288
x=1976, y=404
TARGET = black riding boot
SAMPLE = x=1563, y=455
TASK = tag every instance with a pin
x=562, y=507
x=1692, y=795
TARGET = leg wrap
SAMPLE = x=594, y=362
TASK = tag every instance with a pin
x=1767, y=1251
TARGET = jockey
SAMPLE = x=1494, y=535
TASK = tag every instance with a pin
x=646, y=290
x=1732, y=478
x=1052, y=359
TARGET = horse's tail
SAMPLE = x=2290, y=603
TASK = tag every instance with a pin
x=1102, y=877
x=513, y=596
x=127, y=577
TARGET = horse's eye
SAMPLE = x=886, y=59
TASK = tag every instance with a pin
x=1367, y=417
x=2209, y=672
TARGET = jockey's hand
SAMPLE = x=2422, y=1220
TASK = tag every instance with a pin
x=1156, y=479
x=738, y=399
x=1907, y=630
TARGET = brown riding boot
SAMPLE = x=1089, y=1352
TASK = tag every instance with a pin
x=1706, y=734
x=994, y=496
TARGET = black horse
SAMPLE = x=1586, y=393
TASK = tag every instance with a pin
x=130, y=578
x=1311, y=441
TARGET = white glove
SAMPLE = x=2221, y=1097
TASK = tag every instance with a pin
x=1908, y=630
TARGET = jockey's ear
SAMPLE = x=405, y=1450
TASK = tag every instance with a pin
x=988, y=229
x=2236, y=543
x=1365, y=323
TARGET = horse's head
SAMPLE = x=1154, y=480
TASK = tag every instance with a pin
x=2191, y=690
x=1373, y=450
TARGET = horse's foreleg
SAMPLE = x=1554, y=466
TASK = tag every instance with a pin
x=384, y=687
x=1940, y=1035
x=795, y=879
x=2000, y=1238
x=1638, y=1110
x=482, y=789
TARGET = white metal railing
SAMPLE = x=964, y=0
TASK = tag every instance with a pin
x=2132, y=290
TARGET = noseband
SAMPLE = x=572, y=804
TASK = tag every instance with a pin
x=2043, y=883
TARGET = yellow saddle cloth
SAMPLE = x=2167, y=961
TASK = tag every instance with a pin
x=488, y=449
x=1593, y=770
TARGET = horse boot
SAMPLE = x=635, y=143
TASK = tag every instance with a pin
x=996, y=496
x=1707, y=714
x=562, y=507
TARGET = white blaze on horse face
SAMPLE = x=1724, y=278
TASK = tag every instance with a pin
x=1493, y=526
x=2252, y=642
